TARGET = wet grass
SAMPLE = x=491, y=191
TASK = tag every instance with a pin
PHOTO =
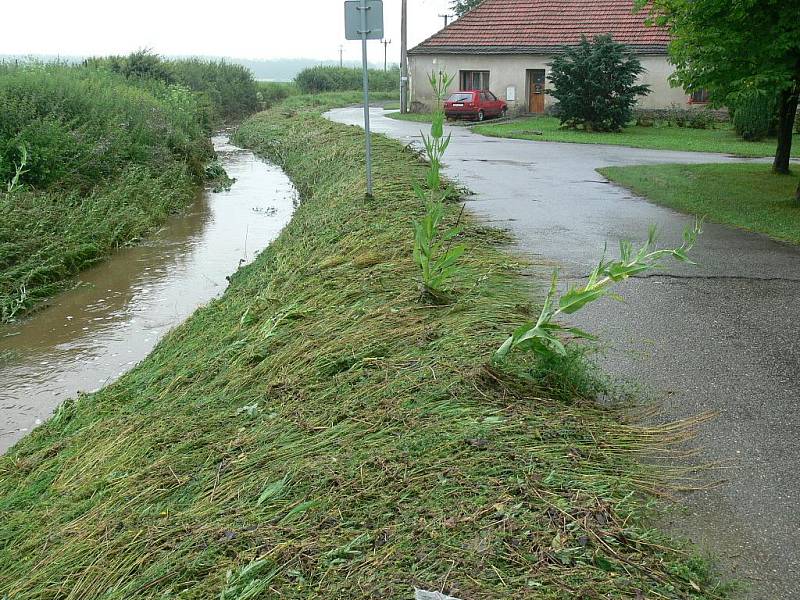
x=318, y=433
x=327, y=100
x=413, y=117
x=111, y=151
x=747, y=196
x=723, y=140
x=46, y=238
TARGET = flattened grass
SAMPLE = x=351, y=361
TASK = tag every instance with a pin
x=318, y=433
x=723, y=140
x=742, y=195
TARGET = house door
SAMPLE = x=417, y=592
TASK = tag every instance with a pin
x=536, y=83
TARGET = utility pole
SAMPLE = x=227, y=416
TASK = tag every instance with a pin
x=385, y=53
x=404, y=58
x=446, y=19
x=341, y=55
x=363, y=8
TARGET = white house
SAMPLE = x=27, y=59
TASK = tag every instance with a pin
x=505, y=45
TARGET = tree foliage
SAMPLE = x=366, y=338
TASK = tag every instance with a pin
x=735, y=47
x=462, y=7
x=595, y=84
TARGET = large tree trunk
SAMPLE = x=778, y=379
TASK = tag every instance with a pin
x=787, y=109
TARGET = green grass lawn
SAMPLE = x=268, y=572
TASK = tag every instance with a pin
x=415, y=117
x=722, y=140
x=746, y=196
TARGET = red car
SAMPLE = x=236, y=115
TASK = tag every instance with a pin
x=474, y=104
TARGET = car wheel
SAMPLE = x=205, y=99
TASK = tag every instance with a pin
x=481, y=116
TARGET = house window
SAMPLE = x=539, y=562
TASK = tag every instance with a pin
x=699, y=96
x=474, y=80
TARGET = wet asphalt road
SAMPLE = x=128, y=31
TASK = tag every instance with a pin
x=721, y=336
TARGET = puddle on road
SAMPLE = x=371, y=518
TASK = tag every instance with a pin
x=91, y=335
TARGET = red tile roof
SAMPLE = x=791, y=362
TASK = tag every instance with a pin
x=542, y=26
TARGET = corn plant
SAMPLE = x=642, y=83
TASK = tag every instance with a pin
x=20, y=169
x=434, y=251
x=541, y=336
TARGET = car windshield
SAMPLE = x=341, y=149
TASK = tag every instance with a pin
x=460, y=97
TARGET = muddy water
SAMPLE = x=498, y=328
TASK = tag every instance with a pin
x=92, y=334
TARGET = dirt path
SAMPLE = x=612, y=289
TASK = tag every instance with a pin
x=721, y=336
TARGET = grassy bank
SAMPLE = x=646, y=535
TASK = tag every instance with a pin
x=746, y=196
x=110, y=148
x=413, y=117
x=723, y=139
x=318, y=433
x=327, y=100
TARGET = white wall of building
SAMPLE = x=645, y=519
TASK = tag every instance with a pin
x=512, y=72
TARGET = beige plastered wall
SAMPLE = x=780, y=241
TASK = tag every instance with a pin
x=508, y=78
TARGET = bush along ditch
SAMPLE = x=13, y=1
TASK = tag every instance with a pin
x=110, y=149
x=317, y=433
x=315, y=80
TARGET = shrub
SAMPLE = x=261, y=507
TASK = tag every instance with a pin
x=230, y=89
x=797, y=123
x=271, y=93
x=315, y=80
x=595, y=84
x=754, y=117
x=700, y=119
x=83, y=125
x=677, y=116
x=225, y=91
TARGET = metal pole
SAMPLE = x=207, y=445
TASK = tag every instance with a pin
x=404, y=58
x=364, y=33
x=385, y=43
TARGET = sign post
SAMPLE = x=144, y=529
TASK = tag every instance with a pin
x=363, y=20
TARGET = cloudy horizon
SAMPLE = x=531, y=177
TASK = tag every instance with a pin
x=272, y=30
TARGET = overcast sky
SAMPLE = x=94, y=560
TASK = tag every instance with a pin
x=235, y=28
